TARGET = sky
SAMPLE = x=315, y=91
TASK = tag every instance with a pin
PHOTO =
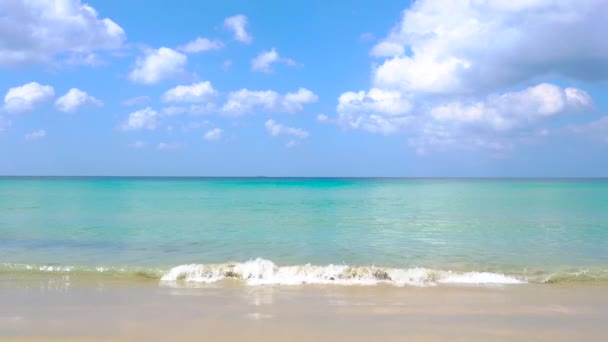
x=427, y=88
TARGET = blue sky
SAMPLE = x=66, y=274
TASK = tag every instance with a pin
x=304, y=88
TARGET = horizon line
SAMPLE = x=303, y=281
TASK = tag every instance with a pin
x=315, y=177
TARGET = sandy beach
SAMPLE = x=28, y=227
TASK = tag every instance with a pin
x=47, y=309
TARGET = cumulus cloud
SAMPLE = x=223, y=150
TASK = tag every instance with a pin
x=263, y=61
x=200, y=45
x=37, y=31
x=75, y=99
x=246, y=101
x=238, y=26
x=196, y=92
x=27, y=97
x=458, y=73
x=35, y=135
x=497, y=122
x=143, y=119
x=451, y=46
x=510, y=110
x=378, y=111
x=213, y=134
x=158, y=65
x=275, y=129
x=480, y=123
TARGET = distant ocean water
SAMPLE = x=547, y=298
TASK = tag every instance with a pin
x=296, y=231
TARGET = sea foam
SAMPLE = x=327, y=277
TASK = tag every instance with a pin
x=265, y=272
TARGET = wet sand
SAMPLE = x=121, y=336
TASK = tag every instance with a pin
x=90, y=310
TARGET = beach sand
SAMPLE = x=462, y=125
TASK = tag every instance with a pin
x=60, y=308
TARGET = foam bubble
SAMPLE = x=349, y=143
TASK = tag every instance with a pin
x=265, y=272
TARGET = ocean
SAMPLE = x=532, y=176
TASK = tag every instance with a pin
x=294, y=231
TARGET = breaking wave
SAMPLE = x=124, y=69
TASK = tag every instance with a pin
x=265, y=272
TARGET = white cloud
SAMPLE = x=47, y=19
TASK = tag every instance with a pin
x=378, y=111
x=292, y=143
x=497, y=122
x=213, y=134
x=197, y=92
x=237, y=25
x=323, y=118
x=27, y=97
x=136, y=100
x=294, y=102
x=200, y=45
x=510, y=110
x=449, y=46
x=445, y=75
x=37, y=31
x=487, y=123
x=202, y=97
x=275, y=129
x=263, y=61
x=35, y=135
x=146, y=118
x=75, y=99
x=138, y=144
x=246, y=101
x=91, y=59
x=158, y=65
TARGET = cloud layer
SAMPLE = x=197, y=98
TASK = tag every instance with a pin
x=37, y=31
x=459, y=73
x=451, y=46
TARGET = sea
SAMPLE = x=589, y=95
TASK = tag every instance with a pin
x=304, y=231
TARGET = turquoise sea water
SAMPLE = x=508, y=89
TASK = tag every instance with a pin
x=530, y=230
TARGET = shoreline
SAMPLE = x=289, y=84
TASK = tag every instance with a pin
x=265, y=272
x=87, y=309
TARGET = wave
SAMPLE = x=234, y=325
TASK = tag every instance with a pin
x=85, y=270
x=265, y=272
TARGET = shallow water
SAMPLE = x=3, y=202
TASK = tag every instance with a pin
x=526, y=230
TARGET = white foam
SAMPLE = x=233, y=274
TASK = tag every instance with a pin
x=265, y=272
x=478, y=278
x=55, y=268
